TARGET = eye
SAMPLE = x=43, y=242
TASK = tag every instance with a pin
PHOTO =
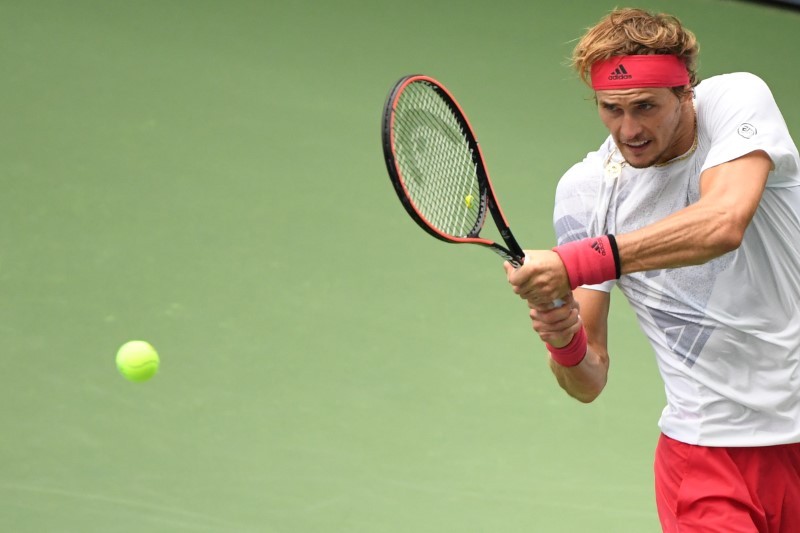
x=645, y=106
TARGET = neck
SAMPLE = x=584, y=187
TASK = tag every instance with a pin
x=686, y=137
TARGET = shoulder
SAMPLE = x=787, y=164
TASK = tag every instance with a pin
x=732, y=79
x=589, y=170
x=733, y=99
x=735, y=84
x=577, y=193
x=736, y=115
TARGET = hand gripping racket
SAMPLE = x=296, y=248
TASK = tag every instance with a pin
x=437, y=168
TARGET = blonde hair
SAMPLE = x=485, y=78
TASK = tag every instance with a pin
x=635, y=32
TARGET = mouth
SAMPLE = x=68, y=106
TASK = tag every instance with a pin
x=637, y=147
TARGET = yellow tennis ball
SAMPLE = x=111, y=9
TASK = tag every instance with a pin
x=137, y=361
x=468, y=200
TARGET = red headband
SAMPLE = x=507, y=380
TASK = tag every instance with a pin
x=628, y=72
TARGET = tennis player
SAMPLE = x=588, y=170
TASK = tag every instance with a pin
x=691, y=207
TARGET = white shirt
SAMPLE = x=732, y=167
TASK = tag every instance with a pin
x=726, y=333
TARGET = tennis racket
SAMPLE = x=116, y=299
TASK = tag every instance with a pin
x=437, y=168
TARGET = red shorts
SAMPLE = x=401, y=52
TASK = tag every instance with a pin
x=701, y=489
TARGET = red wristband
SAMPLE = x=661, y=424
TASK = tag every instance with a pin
x=573, y=353
x=590, y=261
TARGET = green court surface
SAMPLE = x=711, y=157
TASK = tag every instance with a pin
x=208, y=176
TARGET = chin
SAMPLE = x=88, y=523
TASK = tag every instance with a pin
x=642, y=164
x=642, y=160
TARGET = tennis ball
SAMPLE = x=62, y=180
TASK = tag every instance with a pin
x=468, y=200
x=137, y=361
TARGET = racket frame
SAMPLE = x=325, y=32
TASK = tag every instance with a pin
x=513, y=251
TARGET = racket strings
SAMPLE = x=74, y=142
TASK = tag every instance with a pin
x=436, y=162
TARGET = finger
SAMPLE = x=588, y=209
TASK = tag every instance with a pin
x=560, y=338
x=547, y=302
x=555, y=320
x=564, y=329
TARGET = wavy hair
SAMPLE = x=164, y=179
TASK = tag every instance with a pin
x=631, y=31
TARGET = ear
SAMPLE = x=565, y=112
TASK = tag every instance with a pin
x=687, y=95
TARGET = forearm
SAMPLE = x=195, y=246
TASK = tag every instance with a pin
x=693, y=236
x=587, y=379
x=584, y=381
x=714, y=225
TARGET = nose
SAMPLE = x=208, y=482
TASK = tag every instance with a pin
x=630, y=128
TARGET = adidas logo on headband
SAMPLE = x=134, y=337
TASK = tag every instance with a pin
x=654, y=70
x=620, y=74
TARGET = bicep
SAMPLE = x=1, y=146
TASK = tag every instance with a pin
x=735, y=187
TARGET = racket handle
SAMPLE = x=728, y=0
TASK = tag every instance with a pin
x=516, y=263
x=558, y=302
